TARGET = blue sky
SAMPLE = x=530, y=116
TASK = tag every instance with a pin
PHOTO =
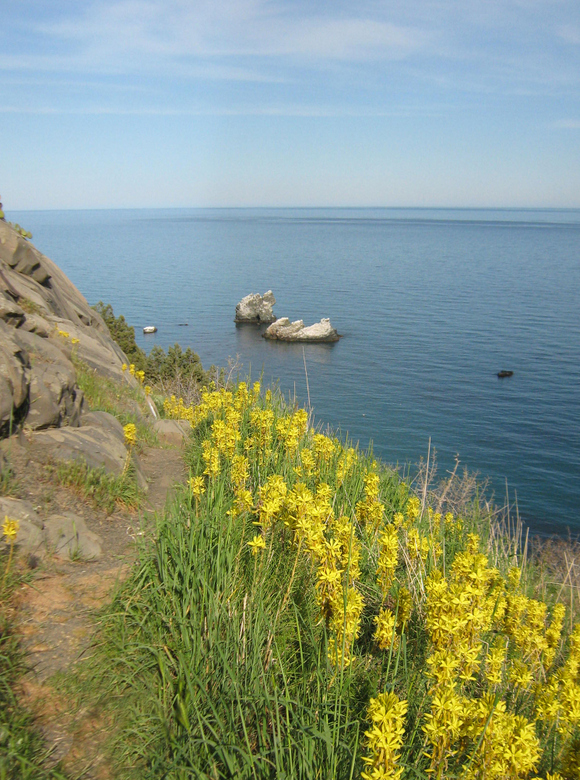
x=138, y=103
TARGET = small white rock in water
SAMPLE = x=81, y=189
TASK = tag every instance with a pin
x=284, y=330
x=256, y=308
x=150, y=329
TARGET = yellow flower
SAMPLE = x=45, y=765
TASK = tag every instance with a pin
x=75, y=341
x=124, y=367
x=256, y=544
x=10, y=528
x=385, y=737
x=130, y=431
x=147, y=390
x=196, y=485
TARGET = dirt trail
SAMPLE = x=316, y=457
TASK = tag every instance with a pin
x=56, y=618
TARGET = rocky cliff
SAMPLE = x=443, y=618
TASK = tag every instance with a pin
x=43, y=319
x=48, y=333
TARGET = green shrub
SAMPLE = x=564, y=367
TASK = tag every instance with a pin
x=159, y=366
x=122, y=334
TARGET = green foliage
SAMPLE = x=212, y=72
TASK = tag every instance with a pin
x=125, y=402
x=253, y=634
x=29, y=306
x=21, y=749
x=104, y=490
x=122, y=334
x=159, y=366
x=165, y=366
x=8, y=482
x=21, y=231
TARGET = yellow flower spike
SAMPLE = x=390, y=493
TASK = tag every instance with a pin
x=10, y=528
x=385, y=737
x=258, y=543
x=385, y=635
x=75, y=341
x=124, y=367
x=147, y=390
x=130, y=431
x=196, y=485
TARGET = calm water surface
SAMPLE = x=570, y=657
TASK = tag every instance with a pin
x=431, y=303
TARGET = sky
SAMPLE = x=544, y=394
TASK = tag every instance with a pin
x=193, y=103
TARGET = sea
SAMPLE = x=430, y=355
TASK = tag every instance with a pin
x=431, y=305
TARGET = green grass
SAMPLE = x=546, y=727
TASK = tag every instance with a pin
x=8, y=481
x=214, y=661
x=128, y=404
x=21, y=750
x=103, y=490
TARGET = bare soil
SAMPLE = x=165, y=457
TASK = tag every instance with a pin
x=56, y=608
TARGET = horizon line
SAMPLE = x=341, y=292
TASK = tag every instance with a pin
x=303, y=208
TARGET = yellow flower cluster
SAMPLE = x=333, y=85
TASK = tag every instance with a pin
x=496, y=684
x=370, y=511
x=139, y=375
x=197, y=486
x=291, y=427
x=130, y=431
x=10, y=528
x=385, y=737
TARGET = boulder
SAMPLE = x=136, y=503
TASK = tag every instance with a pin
x=256, y=308
x=100, y=444
x=30, y=536
x=284, y=330
x=68, y=537
x=172, y=433
x=34, y=323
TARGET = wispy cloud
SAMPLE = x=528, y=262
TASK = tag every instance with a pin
x=567, y=124
x=508, y=46
x=570, y=33
x=255, y=110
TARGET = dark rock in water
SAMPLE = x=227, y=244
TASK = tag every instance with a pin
x=503, y=374
x=182, y=324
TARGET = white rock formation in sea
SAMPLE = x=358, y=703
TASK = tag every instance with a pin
x=284, y=330
x=256, y=308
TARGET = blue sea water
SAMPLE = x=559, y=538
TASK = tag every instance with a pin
x=432, y=303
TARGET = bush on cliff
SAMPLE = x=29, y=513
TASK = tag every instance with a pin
x=159, y=366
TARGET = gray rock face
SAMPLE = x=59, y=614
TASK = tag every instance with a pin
x=100, y=444
x=172, y=433
x=256, y=308
x=284, y=330
x=68, y=537
x=64, y=535
x=10, y=312
x=14, y=377
x=37, y=377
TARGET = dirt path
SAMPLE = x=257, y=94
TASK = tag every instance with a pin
x=57, y=611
